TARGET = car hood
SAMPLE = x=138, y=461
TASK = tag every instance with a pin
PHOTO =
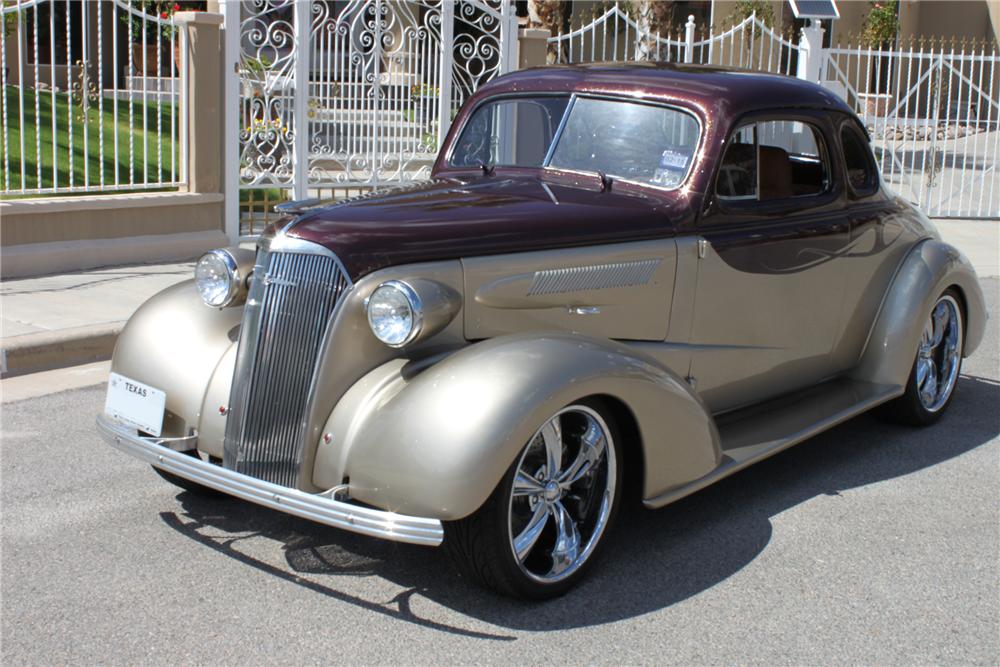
x=449, y=219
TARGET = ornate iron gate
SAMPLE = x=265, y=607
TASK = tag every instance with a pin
x=336, y=94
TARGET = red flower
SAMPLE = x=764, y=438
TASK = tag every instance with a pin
x=164, y=15
x=177, y=7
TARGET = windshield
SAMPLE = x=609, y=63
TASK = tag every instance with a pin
x=638, y=142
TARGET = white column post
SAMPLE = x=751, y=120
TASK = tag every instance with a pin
x=230, y=10
x=689, y=40
x=184, y=105
x=532, y=47
x=811, y=52
x=303, y=49
x=447, y=55
x=508, y=37
x=201, y=99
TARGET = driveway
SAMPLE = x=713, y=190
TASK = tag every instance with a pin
x=872, y=544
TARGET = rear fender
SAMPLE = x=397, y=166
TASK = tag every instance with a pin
x=435, y=441
x=931, y=267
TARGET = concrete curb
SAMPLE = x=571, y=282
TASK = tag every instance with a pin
x=57, y=349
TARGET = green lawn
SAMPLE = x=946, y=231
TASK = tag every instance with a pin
x=147, y=148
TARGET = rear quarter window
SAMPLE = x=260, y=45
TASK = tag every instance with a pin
x=858, y=161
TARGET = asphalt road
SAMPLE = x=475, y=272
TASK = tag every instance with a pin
x=869, y=544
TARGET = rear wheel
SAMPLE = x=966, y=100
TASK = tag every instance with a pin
x=932, y=381
x=540, y=529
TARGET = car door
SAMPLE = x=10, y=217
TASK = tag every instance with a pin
x=769, y=292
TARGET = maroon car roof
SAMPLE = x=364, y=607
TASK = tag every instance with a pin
x=730, y=91
x=718, y=96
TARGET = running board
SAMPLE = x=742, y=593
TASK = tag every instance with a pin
x=752, y=434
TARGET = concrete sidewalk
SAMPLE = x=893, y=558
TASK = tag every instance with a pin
x=69, y=319
x=65, y=320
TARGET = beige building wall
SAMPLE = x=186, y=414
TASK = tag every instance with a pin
x=973, y=20
x=722, y=12
x=852, y=18
x=970, y=19
x=948, y=18
x=993, y=7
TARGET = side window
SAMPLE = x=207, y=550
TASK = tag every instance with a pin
x=857, y=157
x=774, y=159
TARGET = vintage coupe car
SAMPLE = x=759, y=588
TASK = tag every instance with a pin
x=619, y=278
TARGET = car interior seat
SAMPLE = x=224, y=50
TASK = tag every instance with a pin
x=775, y=173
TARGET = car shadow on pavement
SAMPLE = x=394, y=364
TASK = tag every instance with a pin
x=652, y=560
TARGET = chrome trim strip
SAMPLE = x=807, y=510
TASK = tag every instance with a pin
x=296, y=206
x=559, y=129
x=243, y=368
x=548, y=191
x=284, y=243
x=319, y=508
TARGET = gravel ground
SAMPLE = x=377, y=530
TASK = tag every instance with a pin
x=869, y=544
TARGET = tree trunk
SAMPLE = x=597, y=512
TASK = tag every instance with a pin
x=645, y=41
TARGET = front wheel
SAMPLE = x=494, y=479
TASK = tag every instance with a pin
x=538, y=532
x=932, y=380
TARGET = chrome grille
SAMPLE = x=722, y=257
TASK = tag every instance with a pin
x=291, y=299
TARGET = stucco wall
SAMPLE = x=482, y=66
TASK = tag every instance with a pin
x=993, y=7
x=69, y=233
x=971, y=19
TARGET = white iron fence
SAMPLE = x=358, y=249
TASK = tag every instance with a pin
x=934, y=118
x=618, y=35
x=91, y=92
x=324, y=95
x=357, y=94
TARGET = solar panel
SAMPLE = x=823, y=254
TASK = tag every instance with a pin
x=815, y=9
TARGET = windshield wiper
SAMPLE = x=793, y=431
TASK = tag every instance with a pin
x=606, y=181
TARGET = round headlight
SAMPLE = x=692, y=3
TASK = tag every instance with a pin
x=218, y=278
x=394, y=313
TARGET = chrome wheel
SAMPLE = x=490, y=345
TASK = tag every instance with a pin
x=939, y=354
x=562, y=495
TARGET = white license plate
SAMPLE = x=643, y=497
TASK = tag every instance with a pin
x=135, y=404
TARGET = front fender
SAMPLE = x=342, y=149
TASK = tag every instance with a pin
x=930, y=268
x=174, y=342
x=436, y=442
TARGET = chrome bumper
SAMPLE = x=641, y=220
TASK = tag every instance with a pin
x=321, y=508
